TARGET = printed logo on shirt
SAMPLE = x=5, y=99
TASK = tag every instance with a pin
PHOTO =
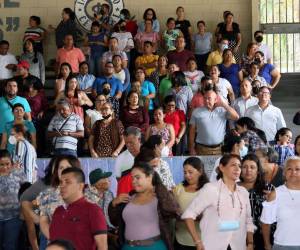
x=86, y=9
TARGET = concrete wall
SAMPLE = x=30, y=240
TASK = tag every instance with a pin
x=14, y=15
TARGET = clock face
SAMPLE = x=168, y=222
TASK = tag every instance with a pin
x=86, y=9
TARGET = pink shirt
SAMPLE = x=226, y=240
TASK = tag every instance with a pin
x=142, y=37
x=74, y=57
x=232, y=206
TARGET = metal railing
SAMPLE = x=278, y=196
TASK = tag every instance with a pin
x=280, y=20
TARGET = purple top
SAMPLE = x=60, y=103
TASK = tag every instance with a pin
x=141, y=220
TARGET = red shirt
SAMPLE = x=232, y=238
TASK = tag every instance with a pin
x=78, y=223
x=125, y=184
x=180, y=58
x=175, y=118
x=131, y=27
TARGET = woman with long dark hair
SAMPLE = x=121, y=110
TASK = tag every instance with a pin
x=142, y=217
x=252, y=178
x=34, y=58
x=149, y=14
x=194, y=179
x=75, y=97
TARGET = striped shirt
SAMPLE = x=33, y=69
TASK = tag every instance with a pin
x=25, y=154
x=73, y=124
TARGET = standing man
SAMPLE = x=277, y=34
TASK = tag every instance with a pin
x=180, y=55
x=70, y=54
x=210, y=124
x=78, y=221
x=246, y=100
x=116, y=87
x=8, y=101
x=266, y=116
x=7, y=64
x=65, y=128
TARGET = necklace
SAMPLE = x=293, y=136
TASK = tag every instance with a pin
x=292, y=198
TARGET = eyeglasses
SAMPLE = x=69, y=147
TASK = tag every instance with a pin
x=101, y=100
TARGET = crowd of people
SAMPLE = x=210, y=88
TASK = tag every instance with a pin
x=138, y=93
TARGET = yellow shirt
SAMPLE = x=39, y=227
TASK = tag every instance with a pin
x=215, y=58
x=184, y=199
x=144, y=60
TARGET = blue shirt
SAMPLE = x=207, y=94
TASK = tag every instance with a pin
x=148, y=88
x=232, y=75
x=155, y=26
x=265, y=72
x=115, y=85
x=85, y=81
x=6, y=114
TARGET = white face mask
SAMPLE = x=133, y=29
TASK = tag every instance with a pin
x=12, y=140
x=165, y=151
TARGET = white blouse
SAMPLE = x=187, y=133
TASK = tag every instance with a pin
x=285, y=211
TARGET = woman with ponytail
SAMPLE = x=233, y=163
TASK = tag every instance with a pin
x=34, y=58
x=143, y=217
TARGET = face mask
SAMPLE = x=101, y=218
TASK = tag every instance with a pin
x=257, y=60
x=106, y=91
x=122, y=17
x=122, y=28
x=259, y=39
x=223, y=46
x=165, y=151
x=243, y=151
x=12, y=140
x=229, y=225
x=106, y=117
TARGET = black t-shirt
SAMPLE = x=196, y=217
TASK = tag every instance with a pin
x=230, y=35
x=184, y=27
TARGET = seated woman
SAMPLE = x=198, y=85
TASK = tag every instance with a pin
x=160, y=127
x=133, y=114
x=282, y=206
x=106, y=139
x=84, y=78
x=193, y=76
x=19, y=114
x=267, y=71
x=64, y=71
x=177, y=118
x=74, y=96
x=231, y=71
x=194, y=179
x=152, y=204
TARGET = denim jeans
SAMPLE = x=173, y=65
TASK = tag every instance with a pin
x=9, y=234
x=65, y=151
x=279, y=247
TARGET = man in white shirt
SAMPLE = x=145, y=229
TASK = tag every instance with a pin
x=266, y=116
x=125, y=160
x=258, y=36
x=246, y=100
x=7, y=61
x=210, y=124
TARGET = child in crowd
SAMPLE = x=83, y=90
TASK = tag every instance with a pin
x=170, y=34
x=148, y=60
x=283, y=145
